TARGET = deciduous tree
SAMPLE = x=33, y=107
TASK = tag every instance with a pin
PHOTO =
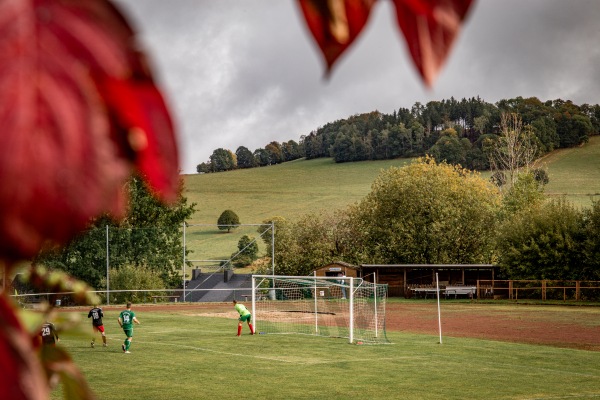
x=515, y=150
x=228, y=220
x=542, y=243
x=222, y=160
x=428, y=213
x=245, y=158
x=149, y=236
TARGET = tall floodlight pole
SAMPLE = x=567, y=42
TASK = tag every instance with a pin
x=107, y=269
x=183, y=267
x=273, y=247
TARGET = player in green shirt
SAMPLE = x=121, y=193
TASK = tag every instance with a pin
x=244, y=316
x=126, y=320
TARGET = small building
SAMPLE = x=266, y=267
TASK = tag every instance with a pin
x=339, y=267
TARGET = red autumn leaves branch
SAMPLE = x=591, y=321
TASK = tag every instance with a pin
x=429, y=28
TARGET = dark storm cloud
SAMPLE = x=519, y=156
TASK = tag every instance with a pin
x=247, y=72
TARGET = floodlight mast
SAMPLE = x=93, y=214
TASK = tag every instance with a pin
x=183, y=262
x=107, y=270
x=273, y=247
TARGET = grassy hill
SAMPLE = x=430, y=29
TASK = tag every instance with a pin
x=296, y=188
x=575, y=173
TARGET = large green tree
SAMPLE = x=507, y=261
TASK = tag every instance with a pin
x=311, y=242
x=261, y=157
x=150, y=236
x=245, y=158
x=428, y=213
x=545, y=242
x=450, y=148
x=222, y=160
x=525, y=194
x=275, y=153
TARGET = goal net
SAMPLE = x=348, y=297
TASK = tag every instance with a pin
x=343, y=307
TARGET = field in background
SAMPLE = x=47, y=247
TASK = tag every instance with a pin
x=185, y=352
x=289, y=190
x=296, y=188
x=575, y=173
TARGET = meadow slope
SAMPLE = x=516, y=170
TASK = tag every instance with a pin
x=296, y=188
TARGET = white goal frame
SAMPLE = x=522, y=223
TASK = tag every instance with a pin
x=319, y=306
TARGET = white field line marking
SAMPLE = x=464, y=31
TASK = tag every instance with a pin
x=571, y=396
x=281, y=359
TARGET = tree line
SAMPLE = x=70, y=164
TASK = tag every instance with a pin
x=436, y=213
x=427, y=212
x=459, y=132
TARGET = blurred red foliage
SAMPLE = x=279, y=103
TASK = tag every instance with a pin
x=429, y=28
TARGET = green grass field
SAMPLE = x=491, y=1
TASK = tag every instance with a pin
x=296, y=188
x=179, y=355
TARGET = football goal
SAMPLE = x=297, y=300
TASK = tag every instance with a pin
x=343, y=307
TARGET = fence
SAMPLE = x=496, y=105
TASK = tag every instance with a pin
x=565, y=290
x=515, y=290
x=152, y=296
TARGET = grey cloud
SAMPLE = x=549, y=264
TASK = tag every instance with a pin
x=247, y=73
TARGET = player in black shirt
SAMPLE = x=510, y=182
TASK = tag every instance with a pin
x=49, y=334
x=96, y=315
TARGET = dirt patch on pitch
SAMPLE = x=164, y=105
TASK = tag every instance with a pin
x=561, y=326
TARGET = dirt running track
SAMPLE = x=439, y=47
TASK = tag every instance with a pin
x=562, y=326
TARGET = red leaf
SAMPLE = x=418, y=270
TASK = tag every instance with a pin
x=335, y=24
x=68, y=143
x=430, y=27
x=22, y=376
x=138, y=110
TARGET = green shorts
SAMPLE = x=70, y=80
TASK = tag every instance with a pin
x=128, y=332
x=245, y=318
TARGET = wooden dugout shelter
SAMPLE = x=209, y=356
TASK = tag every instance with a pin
x=402, y=277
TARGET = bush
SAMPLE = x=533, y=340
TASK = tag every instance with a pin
x=130, y=277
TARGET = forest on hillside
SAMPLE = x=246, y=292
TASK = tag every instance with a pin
x=459, y=132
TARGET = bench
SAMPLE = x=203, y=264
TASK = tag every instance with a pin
x=248, y=297
x=461, y=290
x=425, y=291
x=32, y=302
x=173, y=298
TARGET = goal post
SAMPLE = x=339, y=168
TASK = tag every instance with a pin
x=343, y=307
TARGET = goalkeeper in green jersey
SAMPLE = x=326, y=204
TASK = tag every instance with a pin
x=126, y=320
x=244, y=316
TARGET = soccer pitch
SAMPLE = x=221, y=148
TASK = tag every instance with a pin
x=182, y=355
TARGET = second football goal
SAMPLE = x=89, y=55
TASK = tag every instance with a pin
x=343, y=307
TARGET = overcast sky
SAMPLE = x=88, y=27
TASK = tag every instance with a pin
x=247, y=72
